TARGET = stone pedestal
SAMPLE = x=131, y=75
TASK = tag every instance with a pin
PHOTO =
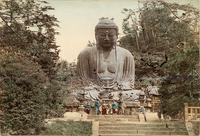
x=81, y=108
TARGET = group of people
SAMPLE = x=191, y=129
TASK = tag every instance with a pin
x=113, y=107
x=103, y=107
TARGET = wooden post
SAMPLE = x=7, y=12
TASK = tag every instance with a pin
x=186, y=112
x=195, y=114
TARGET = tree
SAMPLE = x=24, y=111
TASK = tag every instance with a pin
x=22, y=97
x=28, y=31
x=27, y=26
x=164, y=38
x=182, y=83
x=157, y=33
x=59, y=88
x=91, y=44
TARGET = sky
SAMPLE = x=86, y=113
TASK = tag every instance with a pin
x=79, y=17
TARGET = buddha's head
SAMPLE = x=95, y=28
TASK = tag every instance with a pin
x=106, y=33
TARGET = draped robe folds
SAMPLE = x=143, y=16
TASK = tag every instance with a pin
x=121, y=59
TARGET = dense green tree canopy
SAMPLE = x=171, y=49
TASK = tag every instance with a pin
x=30, y=90
x=164, y=40
x=22, y=97
x=26, y=25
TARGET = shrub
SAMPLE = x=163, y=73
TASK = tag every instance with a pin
x=73, y=128
x=22, y=97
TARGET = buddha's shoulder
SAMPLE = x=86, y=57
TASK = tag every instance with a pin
x=88, y=50
x=123, y=51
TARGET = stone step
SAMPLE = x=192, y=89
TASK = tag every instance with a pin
x=131, y=118
x=143, y=131
x=138, y=125
x=152, y=132
x=112, y=118
x=149, y=123
x=141, y=128
x=107, y=116
x=123, y=135
x=121, y=116
x=129, y=125
x=136, y=135
x=116, y=119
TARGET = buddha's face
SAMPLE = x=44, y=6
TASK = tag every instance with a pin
x=106, y=37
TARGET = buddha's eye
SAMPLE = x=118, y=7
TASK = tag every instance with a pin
x=111, y=35
x=102, y=35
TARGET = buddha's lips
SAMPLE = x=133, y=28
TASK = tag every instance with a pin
x=108, y=42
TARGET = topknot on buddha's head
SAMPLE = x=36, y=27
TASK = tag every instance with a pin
x=105, y=22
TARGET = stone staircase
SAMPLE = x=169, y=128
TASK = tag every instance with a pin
x=142, y=129
x=101, y=118
x=130, y=125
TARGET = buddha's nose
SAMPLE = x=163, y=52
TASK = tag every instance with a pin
x=107, y=38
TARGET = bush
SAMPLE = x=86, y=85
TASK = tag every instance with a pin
x=22, y=96
x=196, y=128
x=73, y=128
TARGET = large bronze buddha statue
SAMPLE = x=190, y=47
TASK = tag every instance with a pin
x=107, y=63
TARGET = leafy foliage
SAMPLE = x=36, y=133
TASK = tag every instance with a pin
x=27, y=26
x=69, y=128
x=54, y=99
x=182, y=83
x=196, y=126
x=23, y=94
x=91, y=44
x=64, y=75
x=164, y=40
x=29, y=52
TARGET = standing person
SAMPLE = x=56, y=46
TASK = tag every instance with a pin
x=109, y=108
x=87, y=107
x=97, y=106
x=159, y=114
x=103, y=108
x=121, y=104
x=114, y=107
x=142, y=109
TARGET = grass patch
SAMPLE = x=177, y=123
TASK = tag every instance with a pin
x=196, y=128
x=71, y=128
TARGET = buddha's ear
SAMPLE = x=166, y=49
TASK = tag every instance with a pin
x=97, y=42
x=117, y=35
x=96, y=36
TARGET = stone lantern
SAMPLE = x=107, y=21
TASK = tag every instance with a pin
x=148, y=101
x=81, y=99
x=142, y=98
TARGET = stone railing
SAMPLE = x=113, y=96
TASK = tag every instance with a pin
x=191, y=112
